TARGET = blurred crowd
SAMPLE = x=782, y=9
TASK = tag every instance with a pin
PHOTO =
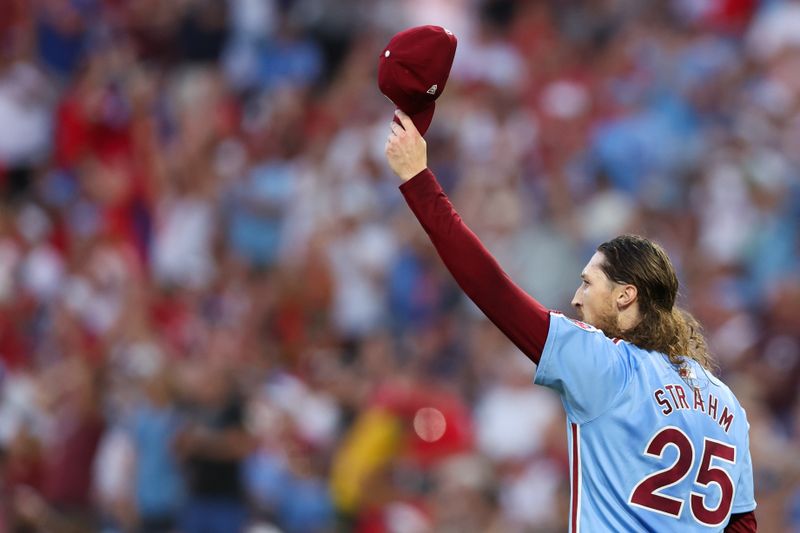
x=217, y=314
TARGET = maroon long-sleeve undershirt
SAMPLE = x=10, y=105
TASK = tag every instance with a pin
x=742, y=523
x=520, y=317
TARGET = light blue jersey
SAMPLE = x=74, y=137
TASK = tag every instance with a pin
x=651, y=448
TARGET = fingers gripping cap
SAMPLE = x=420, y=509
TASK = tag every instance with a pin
x=413, y=70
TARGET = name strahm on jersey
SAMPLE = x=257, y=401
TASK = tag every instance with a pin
x=675, y=399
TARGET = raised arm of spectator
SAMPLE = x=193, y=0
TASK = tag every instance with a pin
x=519, y=316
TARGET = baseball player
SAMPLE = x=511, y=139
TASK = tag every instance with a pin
x=656, y=441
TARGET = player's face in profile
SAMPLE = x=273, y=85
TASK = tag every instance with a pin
x=593, y=301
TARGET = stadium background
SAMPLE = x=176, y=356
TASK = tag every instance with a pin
x=199, y=236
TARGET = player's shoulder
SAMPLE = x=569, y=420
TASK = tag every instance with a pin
x=570, y=336
x=567, y=331
x=693, y=371
x=699, y=376
x=576, y=326
x=561, y=318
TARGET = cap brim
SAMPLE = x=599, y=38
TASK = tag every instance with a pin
x=421, y=120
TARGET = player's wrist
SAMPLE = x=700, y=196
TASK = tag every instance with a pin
x=413, y=172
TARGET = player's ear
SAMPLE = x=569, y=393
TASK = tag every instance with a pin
x=626, y=295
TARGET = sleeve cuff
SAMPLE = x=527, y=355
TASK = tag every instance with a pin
x=420, y=182
x=541, y=377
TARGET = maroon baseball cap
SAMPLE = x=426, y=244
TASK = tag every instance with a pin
x=413, y=70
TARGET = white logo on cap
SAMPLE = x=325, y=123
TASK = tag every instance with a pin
x=386, y=53
x=432, y=90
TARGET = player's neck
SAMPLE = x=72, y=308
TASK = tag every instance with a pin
x=629, y=318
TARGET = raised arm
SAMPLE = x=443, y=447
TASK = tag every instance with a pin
x=520, y=317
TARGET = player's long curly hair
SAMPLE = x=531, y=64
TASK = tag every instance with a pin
x=665, y=327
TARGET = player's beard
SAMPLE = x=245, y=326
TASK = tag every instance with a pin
x=606, y=321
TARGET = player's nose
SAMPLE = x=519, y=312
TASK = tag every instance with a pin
x=576, y=300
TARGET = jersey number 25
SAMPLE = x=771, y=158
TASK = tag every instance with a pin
x=647, y=493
